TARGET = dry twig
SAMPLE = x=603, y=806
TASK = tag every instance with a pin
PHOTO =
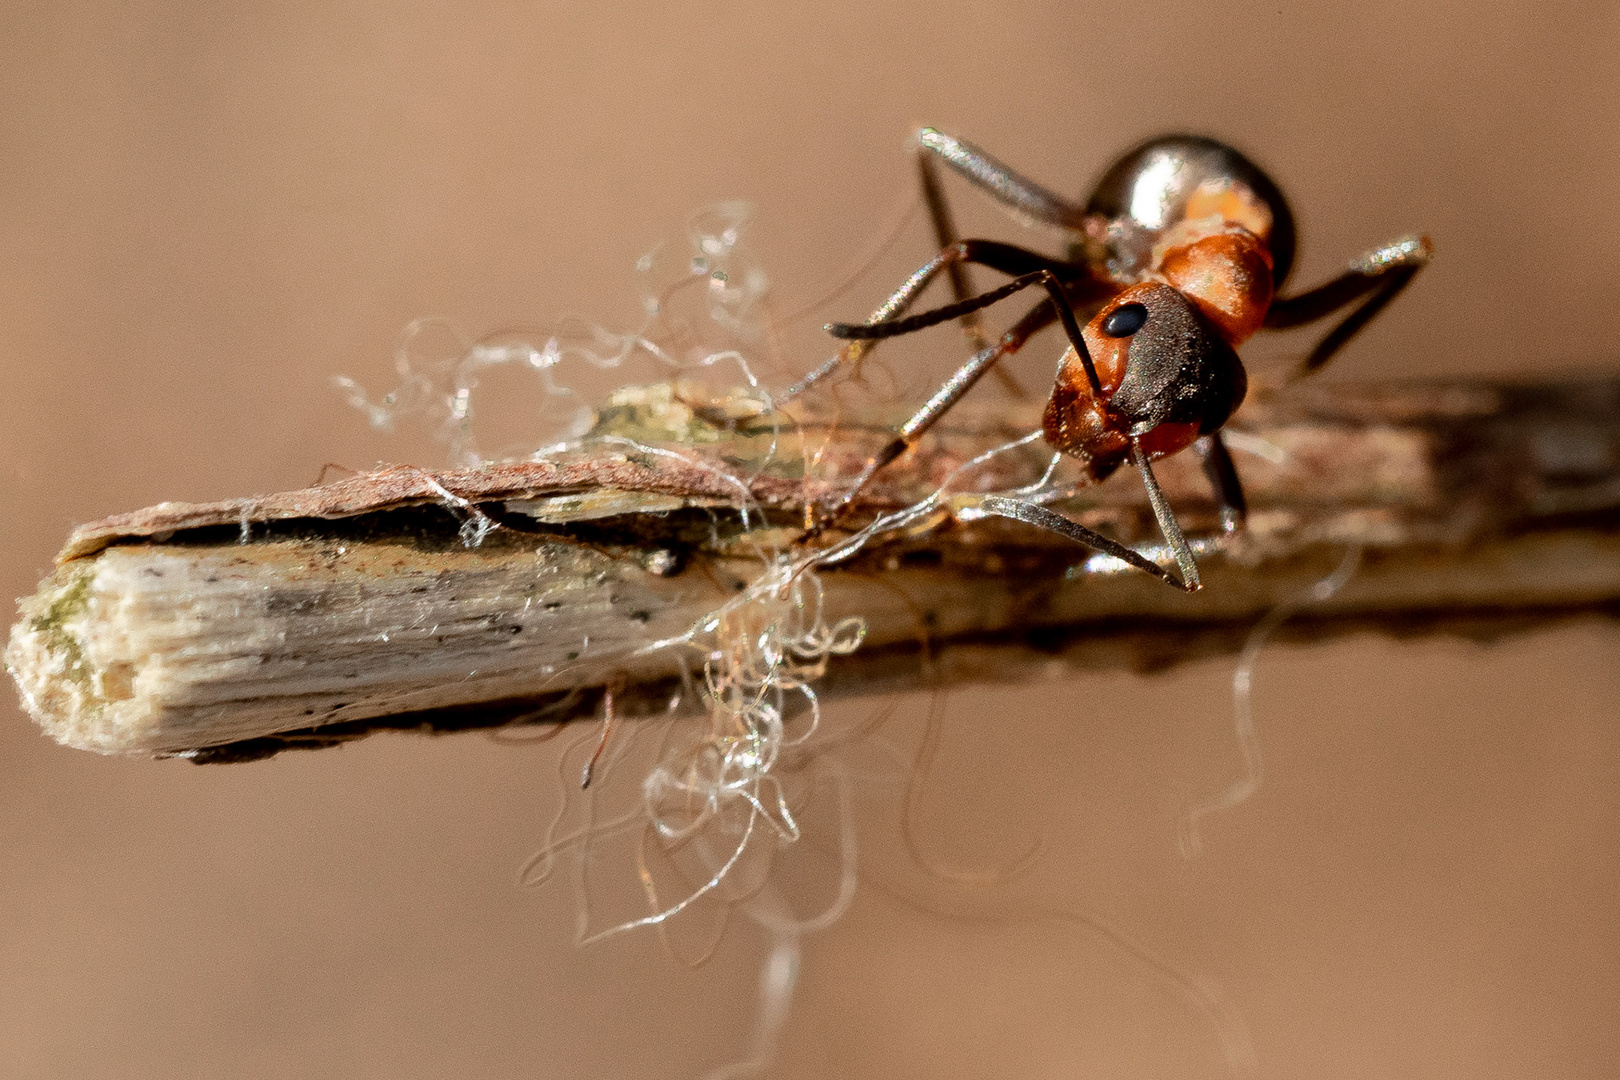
x=232, y=630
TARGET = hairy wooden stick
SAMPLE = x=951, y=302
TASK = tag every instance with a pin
x=515, y=592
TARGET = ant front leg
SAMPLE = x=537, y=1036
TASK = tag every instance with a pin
x=1218, y=465
x=1379, y=275
x=1168, y=525
x=1041, y=517
x=1052, y=521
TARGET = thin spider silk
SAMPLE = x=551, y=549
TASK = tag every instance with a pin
x=689, y=809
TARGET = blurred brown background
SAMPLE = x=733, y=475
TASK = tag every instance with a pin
x=207, y=211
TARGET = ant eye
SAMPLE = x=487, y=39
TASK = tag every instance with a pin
x=1125, y=320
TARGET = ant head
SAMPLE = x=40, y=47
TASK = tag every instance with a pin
x=1161, y=361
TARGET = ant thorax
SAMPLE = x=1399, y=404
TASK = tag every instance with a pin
x=1223, y=267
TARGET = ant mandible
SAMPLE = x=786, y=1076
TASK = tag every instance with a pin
x=1176, y=257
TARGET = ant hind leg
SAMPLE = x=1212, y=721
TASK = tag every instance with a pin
x=946, y=236
x=1055, y=307
x=1019, y=193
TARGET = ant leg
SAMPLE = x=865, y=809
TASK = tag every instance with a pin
x=1217, y=464
x=939, y=214
x=1382, y=273
x=1007, y=258
x=1002, y=183
x=896, y=304
x=1039, y=516
x=946, y=236
x=968, y=374
x=1168, y=525
x=1059, y=300
x=1223, y=478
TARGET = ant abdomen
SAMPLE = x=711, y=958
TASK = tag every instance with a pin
x=1177, y=178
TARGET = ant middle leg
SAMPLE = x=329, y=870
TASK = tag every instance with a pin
x=1379, y=275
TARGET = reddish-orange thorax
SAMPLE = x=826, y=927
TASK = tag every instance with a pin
x=1224, y=269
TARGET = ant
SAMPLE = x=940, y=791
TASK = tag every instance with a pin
x=1176, y=259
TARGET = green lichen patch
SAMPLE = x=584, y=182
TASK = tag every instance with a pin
x=63, y=601
x=734, y=426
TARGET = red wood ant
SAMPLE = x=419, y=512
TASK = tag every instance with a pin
x=1176, y=258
